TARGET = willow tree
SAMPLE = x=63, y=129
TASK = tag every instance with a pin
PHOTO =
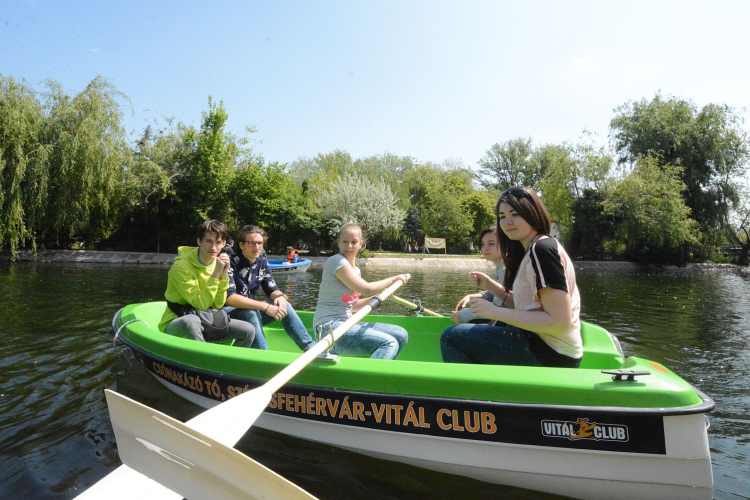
x=653, y=221
x=88, y=152
x=709, y=143
x=23, y=163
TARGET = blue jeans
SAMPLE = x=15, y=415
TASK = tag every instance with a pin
x=486, y=344
x=292, y=326
x=378, y=340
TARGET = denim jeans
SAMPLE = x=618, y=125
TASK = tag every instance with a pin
x=292, y=326
x=486, y=344
x=189, y=327
x=378, y=340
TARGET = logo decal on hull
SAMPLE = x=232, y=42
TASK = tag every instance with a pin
x=582, y=429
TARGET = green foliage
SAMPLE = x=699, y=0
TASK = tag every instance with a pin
x=23, y=163
x=509, y=164
x=480, y=207
x=68, y=175
x=322, y=171
x=207, y=175
x=444, y=213
x=591, y=229
x=654, y=223
x=708, y=144
x=412, y=227
x=265, y=195
x=62, y=160
x=557, y=185
x=88, y=152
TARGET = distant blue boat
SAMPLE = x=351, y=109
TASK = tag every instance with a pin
x=284, y=266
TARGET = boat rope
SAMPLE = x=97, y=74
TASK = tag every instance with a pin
x=117, y=333
x=119, y=329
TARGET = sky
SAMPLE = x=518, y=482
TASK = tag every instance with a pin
x=433, y=80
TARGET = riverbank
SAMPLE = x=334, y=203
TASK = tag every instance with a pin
x=391, y=261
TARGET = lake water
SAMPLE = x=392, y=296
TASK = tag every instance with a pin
x=57, y=357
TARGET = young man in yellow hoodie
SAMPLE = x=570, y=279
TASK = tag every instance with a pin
x=199, y=278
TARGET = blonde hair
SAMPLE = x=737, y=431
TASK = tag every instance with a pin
x=350, y=225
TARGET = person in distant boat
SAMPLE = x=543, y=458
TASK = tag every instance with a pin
x=539, y=290
x=491, y=252
x=199, y=279
x=250, y=271
x=292, y=255
x=340, y=294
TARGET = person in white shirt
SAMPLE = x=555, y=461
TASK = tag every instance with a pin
x=539, y=292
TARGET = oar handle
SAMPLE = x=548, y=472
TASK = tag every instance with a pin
x=416, y=307
x=327, y=341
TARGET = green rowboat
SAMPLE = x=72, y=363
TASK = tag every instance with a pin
x=625, y=424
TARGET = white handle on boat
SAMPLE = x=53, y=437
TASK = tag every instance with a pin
x=416, y=307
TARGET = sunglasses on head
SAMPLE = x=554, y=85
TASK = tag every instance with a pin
x=515, y=191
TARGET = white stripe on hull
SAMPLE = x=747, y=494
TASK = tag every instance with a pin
x=683, y=473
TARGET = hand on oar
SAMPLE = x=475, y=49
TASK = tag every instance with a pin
x=417, y=307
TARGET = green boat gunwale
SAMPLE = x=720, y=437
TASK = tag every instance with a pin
x=680, y=397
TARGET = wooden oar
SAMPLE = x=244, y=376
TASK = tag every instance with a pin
x=177, y=457
x=237, y=415
x=416, y=307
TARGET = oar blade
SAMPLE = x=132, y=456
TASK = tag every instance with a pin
x=229, y=421
x=189, y=462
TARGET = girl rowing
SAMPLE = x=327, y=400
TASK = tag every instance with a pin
x=340, y=294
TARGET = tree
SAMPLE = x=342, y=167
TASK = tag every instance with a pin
x=354, y=198
x=318, y=173
x=62, y=159
x=708, y=144
x=591, y=227
x=480, y=207
x=510, y=164
x=412, y=227
x=23, y=164
x=267, y=196
x=389, y=168
x=557, y=185
x=654, y=222
x=738, y=234
x=89, y=152
x=444, y=212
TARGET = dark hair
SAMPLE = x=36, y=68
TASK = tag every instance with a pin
x=531, y=209
x=486, y=230
x=249, y=229
x=213, y=226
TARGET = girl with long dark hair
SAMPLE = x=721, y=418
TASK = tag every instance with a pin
x=539, y=292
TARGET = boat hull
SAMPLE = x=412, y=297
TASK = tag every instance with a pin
x=573, y=450
x=284, y=266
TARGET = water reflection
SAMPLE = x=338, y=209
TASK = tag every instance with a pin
x=56, y=356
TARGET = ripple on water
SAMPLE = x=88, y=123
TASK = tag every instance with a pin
x=55, y=436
